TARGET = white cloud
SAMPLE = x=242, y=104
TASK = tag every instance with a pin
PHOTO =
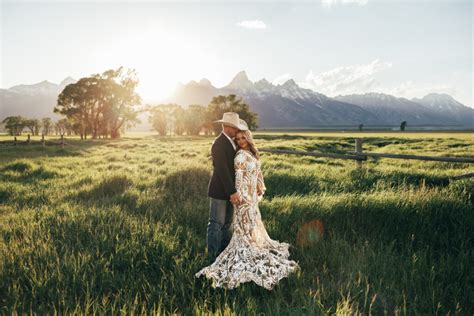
x=281, y=79
x=347, y=79
x=329, y=3
x=252, y=24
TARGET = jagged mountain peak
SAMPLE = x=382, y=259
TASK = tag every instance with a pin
x=289, y=83
x=264, y=84
x=205, y=82
x=438, y=97
x=241, y=75
x=67, y=80
x=440, y=101
x=43, y=87
x=240, y=81
x=264, y=81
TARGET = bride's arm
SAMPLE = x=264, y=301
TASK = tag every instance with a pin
x=245, y=214
x=240, y=163
x=260, y=183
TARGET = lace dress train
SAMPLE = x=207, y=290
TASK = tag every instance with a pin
x=251, y=254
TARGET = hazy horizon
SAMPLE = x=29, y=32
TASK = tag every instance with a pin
x=407, y=49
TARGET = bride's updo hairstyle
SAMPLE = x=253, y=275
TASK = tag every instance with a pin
x=248, y=137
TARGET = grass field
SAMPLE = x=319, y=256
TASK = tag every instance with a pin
x=119, y=226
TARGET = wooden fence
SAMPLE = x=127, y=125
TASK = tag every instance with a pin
x=359, y=156
x=43, y=142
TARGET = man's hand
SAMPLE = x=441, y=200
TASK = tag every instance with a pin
x=235, y=198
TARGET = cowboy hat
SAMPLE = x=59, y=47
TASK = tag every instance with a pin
x=243, y=123
x=232, y=119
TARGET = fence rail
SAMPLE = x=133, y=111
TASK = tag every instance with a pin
x=314, y=154
x=359, y=155
x=28, y=141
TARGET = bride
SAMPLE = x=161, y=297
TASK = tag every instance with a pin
x=251, y=255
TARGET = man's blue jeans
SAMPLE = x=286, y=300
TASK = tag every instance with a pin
x=219, y=228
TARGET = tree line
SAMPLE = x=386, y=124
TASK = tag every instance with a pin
x=105, y=105
x=174, y=119
x=15, y=126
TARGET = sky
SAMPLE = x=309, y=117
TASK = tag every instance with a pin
x=336, y=47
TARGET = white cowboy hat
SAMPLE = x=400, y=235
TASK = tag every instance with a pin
x=243, y=123
x=232, y=119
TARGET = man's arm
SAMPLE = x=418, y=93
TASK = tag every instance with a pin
x=222, y=169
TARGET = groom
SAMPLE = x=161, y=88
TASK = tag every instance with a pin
x=221, y=189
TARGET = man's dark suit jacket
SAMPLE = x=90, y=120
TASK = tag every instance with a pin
x=222, y=184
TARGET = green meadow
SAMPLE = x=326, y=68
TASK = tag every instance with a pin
x=119, y=227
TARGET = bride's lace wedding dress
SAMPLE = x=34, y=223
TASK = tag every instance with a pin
x=251, y=255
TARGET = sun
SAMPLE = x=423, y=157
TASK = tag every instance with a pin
x=164, y=58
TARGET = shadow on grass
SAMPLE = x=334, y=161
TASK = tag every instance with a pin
x=442, y=223
x=356, y=180
x=74, y=147
x=282, y=137
x=110, y=191
x=25, y=171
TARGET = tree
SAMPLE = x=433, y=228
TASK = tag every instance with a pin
x=14, y=125
x=167, y=118
x=47, y=124
x=158, y=120
x=101, y=104
x=120, y=99
x=195, y=118
x=179, y=119
x=73, y=104
x=38, y=125
x=361, y=126
x=63, y=127
x=230, y=103
x=33, y=125
x=403, y=125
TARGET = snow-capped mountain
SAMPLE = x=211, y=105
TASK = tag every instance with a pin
x=44, y=87
x=447, y=106
x=393, y=110
x=285, y=105
x=289, y=105
x=32, y=101
x=432, y=109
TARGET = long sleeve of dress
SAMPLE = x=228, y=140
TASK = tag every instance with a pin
x=239, y=166
x=247, y=220
x=260, y=182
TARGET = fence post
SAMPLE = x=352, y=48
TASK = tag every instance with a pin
x=358, y=149
x=62, y=141
x=14, y=141
x=42, y=139
x=28, y=140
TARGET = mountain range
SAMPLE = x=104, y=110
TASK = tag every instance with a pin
x=285, y=105
x=289, y=105
x=32, y=101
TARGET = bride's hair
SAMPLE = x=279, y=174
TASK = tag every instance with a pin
x=249, y=138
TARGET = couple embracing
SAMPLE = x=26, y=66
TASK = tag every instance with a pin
x=237, y=240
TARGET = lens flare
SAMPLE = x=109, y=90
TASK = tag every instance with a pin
x=310, y=233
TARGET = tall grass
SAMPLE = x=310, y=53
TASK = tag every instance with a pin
x=120, y=227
